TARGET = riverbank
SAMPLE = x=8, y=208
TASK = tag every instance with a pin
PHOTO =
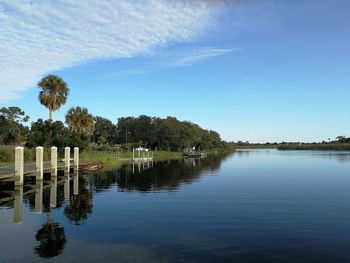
x=110, y=159
x=105, y=158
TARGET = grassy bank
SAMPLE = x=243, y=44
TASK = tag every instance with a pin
x=317, y=147
x=7, y=154
x=108, y=160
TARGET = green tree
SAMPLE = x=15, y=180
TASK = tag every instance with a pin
x=80, y=120
x=41, y=134
x=104, y=128
x=53, y=94
x=12, y=129
x=168, y=133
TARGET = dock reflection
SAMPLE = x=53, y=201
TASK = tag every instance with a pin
x=66, y=181
x=18, y=204
x=39, y=197
x=53, y=192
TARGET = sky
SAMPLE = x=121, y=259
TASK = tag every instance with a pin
x=258, y=71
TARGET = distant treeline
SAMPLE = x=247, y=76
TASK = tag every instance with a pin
x=316, y=146
x=341, y=143
x=82, y=129
x=152, y=132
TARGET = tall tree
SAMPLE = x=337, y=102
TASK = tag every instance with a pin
x=53, y=94
x=104, y=131
x=12, y=127
x=80, y=120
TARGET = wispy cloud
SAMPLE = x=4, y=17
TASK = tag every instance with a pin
x=190, y=57
x=37, y=37
x=179, y=58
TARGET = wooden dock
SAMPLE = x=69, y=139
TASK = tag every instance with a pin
x=7, y=173
x=19, y=170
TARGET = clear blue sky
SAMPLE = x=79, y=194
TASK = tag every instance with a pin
x=252, y=70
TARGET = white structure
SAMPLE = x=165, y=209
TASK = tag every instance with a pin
x=76, y=158
x=146, y=154
x=39, y=166
x=19, y=165
x=67, y=160
x=53, y=161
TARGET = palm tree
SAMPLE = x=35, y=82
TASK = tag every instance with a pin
x=53, y=94
x=80, y=120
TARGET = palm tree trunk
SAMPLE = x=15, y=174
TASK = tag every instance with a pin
x=50, y=118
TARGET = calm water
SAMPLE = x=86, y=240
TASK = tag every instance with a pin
x=252, y=206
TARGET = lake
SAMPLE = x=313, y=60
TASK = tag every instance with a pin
x=256, y=205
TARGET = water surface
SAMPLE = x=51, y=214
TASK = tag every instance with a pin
x=251, y=206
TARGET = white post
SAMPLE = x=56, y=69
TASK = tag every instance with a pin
x=76, y=158
x=53, y=161
x=67, y=160
x=19, y=165
x=133, y=154
x=39, y=167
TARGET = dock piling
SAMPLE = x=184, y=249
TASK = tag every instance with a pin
x=67, y=160
x=39, y=167
x=76, y=158
x=19, y=165
x=54, y=161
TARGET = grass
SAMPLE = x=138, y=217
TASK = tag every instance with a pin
x=7, y=156
x=317, y=147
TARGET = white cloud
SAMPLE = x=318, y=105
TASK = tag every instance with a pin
x=37, y=37
x=178, y=58
x=193, y=56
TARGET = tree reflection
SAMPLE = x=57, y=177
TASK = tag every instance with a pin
x=52, y=239
x=80, y=206
x=168, y=175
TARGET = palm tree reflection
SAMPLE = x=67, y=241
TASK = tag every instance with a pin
x=80, y=206
x=52, y=239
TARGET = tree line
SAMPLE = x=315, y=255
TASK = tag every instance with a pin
x=82, y=128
